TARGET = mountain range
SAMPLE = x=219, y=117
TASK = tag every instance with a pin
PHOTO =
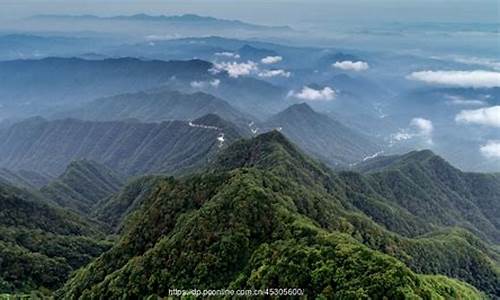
x=155, y=107
x=300, y=226
x=83, y=184
x=128, y=147
x=40, y=245
x=322, y=136
x=178, y=20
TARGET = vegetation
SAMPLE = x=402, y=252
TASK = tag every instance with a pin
x=82, y=185
x=41, y=245
x=265, y=215
x=130, y=148
x=323, y=137
x=157, y=106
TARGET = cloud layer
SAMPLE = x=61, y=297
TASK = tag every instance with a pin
x=419, y=127
x=235, y=69
x=491, y=149
x=274, y=73
x=204, y=84
x=310, y=94
x=474, y=79
x=489, y=116
x=228, y=54
x=348, y=65
x=271, y=60
x=461, y=101
x=423, y=126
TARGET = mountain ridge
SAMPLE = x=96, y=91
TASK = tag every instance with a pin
x=265, y=194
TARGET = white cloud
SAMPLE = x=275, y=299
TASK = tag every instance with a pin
x=424, y=126
x=474, y=79
x=419, y=128
x=348, y=65
x=235, y=69
x=228, y=54
x=215, y=83
x=491, y=149
x=310, y=94
x=484, y=62
x=402, y=135
x=162, y=37
x=197, y=84
x=461, y=101
x=489, y=116
x=203, y=84
x=274, y=73
x=271, y=60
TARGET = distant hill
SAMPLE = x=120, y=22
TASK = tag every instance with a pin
x=179, y=20
x=41, y=245
x=52, y=85
x=27, y=46
x=322, y=136
x=82, y=185
x=264, y=215
x=130, y=148
x=155, y=107
x=24, y=178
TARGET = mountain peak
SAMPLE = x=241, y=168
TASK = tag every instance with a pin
x=300, y=107
x=271, y=151
x=425, y=158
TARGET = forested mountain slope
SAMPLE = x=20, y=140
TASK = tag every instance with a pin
x=428, y=187
x=264, y=215
x=82, y=185
x=24, y=178
x=155, y=107
x=41, y=245
x=130, y=148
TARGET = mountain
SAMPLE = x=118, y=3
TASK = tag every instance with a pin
x=41, y=245
x=263, y=216
x=248, y=52
x=39, y=86
x=50, y=85
x=114, y=209
x=27, y=46
x=24, y=178
x=155, y=107
x=130, y=148
x=429, y=188
x=321, y=136
x=82, y=185
x=186, y=19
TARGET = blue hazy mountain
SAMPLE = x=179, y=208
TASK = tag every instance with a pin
x=186, y=19
x=323, y=137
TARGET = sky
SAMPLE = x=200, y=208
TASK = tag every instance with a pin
x=276, y=12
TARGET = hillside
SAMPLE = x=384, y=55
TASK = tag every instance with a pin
x=321, y=136
x=82, y=185
x=23, y=178
x=130, y=148
x=429, y=188
x=55, y=84
x=155, y=107
x=41, y=245
x=114, y=209
x=267, y=216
